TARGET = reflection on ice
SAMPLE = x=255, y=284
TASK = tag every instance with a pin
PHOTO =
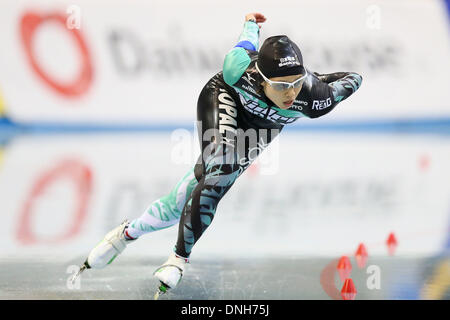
x=235, y=279
x=328, y=194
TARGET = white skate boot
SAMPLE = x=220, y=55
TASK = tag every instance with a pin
x=170, y=273
x=106, y=250
x=109, y=248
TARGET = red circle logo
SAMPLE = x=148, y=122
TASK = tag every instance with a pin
x=80, y=84
x=76, y=172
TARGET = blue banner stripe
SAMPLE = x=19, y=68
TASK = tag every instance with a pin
x=418, y=126
x=447, y=4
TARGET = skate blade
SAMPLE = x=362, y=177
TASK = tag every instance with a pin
x=162, y=289
x=76, y=275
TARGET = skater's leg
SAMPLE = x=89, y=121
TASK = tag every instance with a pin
x=200, y=209
x=219, y=166
x=161, y=214
x=166, y=211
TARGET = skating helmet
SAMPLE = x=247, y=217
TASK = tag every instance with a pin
x=279, y=57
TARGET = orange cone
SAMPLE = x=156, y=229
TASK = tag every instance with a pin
x=361, y=256
x=348, y=291
x=391, y=243
x=344, y=268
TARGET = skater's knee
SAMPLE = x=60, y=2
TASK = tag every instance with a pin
x=223, y=175
x=199, y=170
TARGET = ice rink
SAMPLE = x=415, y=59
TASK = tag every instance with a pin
x=278, y=240
x=226, y=279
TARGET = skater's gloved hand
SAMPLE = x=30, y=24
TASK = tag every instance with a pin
x=256, y=17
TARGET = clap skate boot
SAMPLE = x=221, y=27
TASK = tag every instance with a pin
x=170, y=273
x=106, y=250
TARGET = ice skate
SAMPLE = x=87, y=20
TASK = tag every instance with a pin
x=106, y=250
x=170, y=273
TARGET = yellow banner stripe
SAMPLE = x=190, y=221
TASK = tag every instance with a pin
x=2, y=106
x=439, y=282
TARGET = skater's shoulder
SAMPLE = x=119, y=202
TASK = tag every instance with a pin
x=237, y=61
